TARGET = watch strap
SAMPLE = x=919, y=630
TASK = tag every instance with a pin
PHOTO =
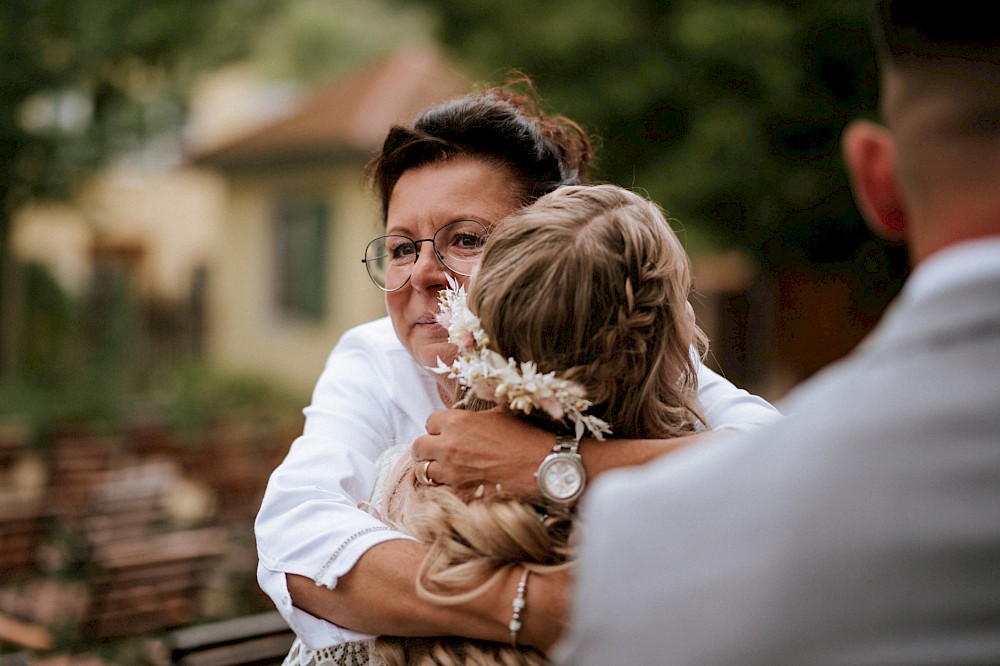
x=566, y=444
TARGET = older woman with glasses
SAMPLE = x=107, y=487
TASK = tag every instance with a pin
x=336, y=572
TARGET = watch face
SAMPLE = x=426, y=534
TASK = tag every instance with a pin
x=561, y=479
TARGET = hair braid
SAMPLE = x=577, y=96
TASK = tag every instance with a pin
x=591, y=282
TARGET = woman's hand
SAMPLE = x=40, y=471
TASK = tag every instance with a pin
x=467, y=450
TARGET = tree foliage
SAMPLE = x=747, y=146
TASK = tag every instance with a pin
x=82, y=81
x=314, y=41
x=728, y=112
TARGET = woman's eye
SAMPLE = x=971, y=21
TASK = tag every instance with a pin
x=401, y=251
x=469, y=241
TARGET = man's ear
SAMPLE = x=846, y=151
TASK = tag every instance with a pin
x=870, y=154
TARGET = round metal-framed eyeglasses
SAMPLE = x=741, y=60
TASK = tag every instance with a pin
x=458, y=246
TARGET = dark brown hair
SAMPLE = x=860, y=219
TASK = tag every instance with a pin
x=905, y=30
x=502, y=125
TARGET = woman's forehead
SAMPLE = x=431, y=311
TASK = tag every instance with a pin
x=432, y=195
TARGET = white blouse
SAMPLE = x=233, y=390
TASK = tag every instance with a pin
x=371, y=397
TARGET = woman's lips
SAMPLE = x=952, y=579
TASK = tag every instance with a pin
x=427, y=319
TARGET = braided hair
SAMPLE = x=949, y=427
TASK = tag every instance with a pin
x=591, y=282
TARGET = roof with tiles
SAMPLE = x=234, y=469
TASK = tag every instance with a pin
x=347, y=118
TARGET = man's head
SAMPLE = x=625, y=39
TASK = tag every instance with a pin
x=931, y=176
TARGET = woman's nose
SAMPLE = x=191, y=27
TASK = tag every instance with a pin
x=428, y=272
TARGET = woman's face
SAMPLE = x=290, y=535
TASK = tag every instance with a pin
x=425, y=199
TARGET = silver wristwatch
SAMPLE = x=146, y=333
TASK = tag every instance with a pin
x=561, y=476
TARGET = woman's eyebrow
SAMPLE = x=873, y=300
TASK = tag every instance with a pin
x=399, y=230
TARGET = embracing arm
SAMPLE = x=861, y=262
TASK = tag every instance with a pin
x=469, y=449
x=310, y=523
x=378, y=596
x=334, y=571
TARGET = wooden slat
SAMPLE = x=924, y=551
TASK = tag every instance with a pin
x=255, y=640
x=150, y=584
x=24, y=634
x=265, y=651
x=23, y=526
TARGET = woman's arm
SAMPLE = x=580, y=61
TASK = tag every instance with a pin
x=370, y=397
x=472, y=449
x=378, y=596
x=728, y=406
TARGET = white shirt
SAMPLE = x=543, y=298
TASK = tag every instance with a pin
x=372, y=396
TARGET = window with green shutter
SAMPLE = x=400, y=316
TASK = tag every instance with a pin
x=300, y=232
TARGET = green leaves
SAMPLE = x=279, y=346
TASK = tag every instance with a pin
x=728, y=112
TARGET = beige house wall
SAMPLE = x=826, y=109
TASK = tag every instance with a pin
x=246, y=330
x=58, y=237
x=171, y=214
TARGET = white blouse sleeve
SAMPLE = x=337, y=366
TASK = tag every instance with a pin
x=371, y=396
x=726, y=406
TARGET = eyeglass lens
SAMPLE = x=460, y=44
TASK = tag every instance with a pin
x=458, y=245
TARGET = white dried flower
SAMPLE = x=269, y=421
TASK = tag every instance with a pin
x=491, y=377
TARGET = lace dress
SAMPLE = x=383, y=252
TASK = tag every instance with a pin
x=355, y=653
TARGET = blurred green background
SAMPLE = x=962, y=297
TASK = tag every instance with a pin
x=726, y=112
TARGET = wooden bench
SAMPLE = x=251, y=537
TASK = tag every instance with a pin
x=150, y=583
x=126, y=503
x=237, y=461
x=79, y=463
x=24, y=524
x=15, y=438
x=24, y=635
x=255, y=640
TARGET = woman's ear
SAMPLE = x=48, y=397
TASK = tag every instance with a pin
x=870, y=153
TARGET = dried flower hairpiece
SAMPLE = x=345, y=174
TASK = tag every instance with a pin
x=490, y=376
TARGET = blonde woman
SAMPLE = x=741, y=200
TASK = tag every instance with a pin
x=577, y=319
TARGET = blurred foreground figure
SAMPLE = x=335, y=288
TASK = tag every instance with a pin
x=865, y=527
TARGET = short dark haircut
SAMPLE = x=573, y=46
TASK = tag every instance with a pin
x=499, y=125
x=907, y=30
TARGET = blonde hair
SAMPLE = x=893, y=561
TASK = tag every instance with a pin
x=592, y=283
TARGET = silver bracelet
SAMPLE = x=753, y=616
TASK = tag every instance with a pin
x=518, y=608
